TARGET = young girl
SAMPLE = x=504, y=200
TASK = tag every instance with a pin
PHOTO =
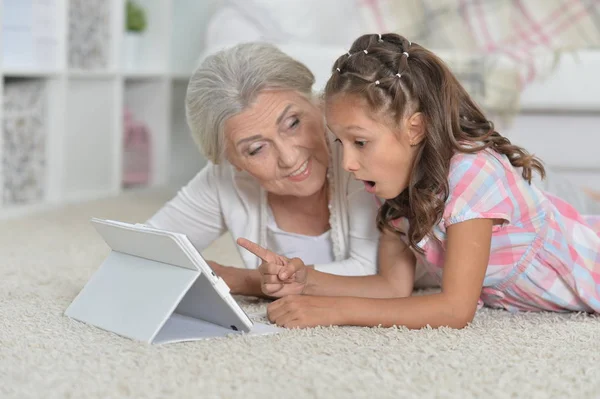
x=456, y=197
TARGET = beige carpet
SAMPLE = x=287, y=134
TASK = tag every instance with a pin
x=47, y=258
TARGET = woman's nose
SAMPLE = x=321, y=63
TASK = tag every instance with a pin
x=288, y=155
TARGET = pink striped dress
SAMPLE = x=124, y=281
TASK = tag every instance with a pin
x=545, y=257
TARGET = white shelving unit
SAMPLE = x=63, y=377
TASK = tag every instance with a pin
x=68, y=56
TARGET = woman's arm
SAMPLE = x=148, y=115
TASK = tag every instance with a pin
x=196, y=212
x=467, y=257
x=240, y=281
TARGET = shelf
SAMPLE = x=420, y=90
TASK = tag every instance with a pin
x=30, y=73
x=147, y=100
x=81, y=74
x=31, y=37
x=91, y=140
x=78, y=51
x=148, y=50
x=84, y=74
x=90, y=41
x=24, y=139
x=144, y=75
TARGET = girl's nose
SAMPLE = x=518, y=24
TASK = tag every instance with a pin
x=349, y=163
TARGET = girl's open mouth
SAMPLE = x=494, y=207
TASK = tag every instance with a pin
x=369, y=186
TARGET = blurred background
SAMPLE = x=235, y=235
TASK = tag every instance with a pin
x=93, y=90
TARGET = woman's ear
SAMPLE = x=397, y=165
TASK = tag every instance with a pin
x=416, y=128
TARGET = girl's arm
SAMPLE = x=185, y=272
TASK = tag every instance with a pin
x=467, y=256
x=281, y=276
x=395, y=277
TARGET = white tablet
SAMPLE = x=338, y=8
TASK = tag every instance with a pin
x=155, y=286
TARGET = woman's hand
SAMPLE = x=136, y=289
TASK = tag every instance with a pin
x=240, y=281
x=216, y=267
x=280, y=276
x=232, y=276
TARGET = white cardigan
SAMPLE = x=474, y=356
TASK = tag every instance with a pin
x=220, y=198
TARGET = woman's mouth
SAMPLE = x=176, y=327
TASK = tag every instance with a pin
x=302, y=172
x=369, y=186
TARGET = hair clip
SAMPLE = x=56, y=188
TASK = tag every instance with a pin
x=405, y=53
x=376, y=82
x=380, y=39
x=409, y=43
x=349, y=55
x=338, y=69
x=365, y=51
x=398, y=75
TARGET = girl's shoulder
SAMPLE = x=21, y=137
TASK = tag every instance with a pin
x=480, y=186
x=486, y=160
x=485, y=167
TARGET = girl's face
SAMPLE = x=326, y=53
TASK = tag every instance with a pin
x=380, y=155
x=280, y=141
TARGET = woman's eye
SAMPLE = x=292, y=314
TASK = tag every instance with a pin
x=294, y=123
x=255, y=151
x=360, y=143
x=337, y=141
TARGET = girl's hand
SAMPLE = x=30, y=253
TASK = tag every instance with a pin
x=280, y=276
x=305, y=311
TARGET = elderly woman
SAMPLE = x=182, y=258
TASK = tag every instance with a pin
x=272, y=176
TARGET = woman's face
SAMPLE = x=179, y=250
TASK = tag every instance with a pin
x=280, y=140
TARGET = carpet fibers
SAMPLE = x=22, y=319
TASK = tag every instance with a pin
x=47, y=258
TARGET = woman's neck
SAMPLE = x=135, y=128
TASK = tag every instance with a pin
x=310, y=204
x=302, y=215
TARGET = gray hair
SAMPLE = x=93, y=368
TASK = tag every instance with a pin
x=229, y=81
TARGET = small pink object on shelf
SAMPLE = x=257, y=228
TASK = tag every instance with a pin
x=137, y=154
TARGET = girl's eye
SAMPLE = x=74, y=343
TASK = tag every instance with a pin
x=255, y=151
x=360, y=143
x=337, y=141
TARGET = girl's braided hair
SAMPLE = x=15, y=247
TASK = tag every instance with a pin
x=398, y=78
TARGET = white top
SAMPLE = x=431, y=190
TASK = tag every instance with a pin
x=220, y=198
x=311, y=249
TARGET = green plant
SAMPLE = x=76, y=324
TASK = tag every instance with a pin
x=136, y=17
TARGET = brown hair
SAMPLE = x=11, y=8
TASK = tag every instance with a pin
x=399, y=78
